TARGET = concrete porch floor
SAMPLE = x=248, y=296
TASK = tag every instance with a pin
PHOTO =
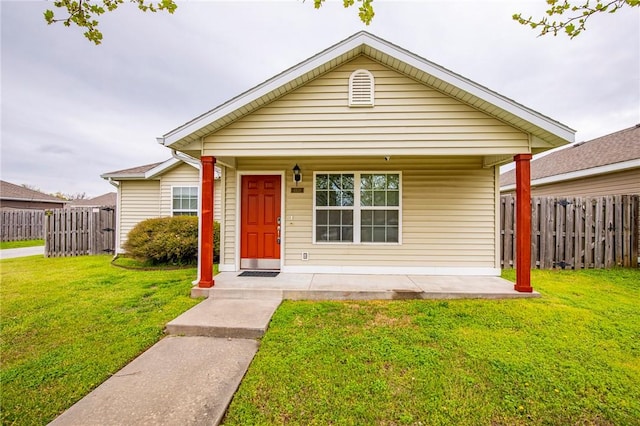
x=229, y=285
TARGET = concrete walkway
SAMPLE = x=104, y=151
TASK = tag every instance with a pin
x=190, y=377
x=21, y=252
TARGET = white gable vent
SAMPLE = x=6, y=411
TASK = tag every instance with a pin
x=361, y=88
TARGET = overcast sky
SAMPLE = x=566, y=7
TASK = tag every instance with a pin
x=72, y=110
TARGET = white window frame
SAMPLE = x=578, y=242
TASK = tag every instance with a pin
x=182, y=211
x=357, y=208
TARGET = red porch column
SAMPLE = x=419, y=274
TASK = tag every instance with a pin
x=523, y=223
x=206, y=222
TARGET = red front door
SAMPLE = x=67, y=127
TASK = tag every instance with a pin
x=260, y=225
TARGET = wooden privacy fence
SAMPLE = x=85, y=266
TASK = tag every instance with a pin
x=575, y=233
x=20, y=225
x=79, y=231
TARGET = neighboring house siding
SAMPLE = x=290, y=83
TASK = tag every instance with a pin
x=408, y=117
x=183, y=175
x=621, y=183
x=139, y=200
x=448, y=217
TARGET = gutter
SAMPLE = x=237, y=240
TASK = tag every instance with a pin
x=113, y=182
x=186, y=158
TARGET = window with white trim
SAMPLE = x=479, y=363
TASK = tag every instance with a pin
x=357, y=207
x=361, y=88
x=184, y=200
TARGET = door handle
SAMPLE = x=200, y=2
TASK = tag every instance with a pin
x=278, y=232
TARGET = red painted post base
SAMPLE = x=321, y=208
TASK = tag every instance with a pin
x=206, y=284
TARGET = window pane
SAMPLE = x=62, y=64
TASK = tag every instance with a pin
x=366, y=234
x=347, y=217
x=367, y=217
x=347, y=181
x=392, y=217
x=393, y=198
x=366, y=198
x=347, y=233
x=321, y=198
x=392, y=234
x=176, y=203
x=334, y=198
x=321, y=233
x=193, y=204
x=379, y=198
x=347, y=198
x=322, y=182
x=177, y=192
x=393, y=181
x=193, y=191
x=334, y=217
x=379, y=181
x=335, y=182
x=379, y=217
x=322, y=217
x=365, y=182
x=379, y=234
x=334, y=233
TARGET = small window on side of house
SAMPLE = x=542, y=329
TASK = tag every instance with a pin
x=361, y=89
x=184, y=201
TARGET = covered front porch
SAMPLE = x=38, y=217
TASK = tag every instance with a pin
x=295, y=286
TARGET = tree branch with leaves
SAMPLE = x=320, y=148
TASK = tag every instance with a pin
x=85, y=13
x=574, y=17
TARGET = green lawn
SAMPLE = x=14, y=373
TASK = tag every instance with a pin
x=69, y=323
x=20, y=244
x=571, y=357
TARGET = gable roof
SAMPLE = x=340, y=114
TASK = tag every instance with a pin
x=10, y=191
x=108, y=199
x=147, y=171
x=390, y=55
x=614, y=152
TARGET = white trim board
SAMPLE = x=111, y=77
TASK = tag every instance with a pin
x=392, y=270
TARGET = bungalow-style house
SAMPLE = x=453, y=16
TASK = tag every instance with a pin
x=14, y=196
x=608, y=165
x=365, y=158
x=168, y=188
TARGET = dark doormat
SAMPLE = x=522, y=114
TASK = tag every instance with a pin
x=259, y=274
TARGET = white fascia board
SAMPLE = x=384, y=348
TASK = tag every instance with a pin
x=594, y=171
x=161, y=168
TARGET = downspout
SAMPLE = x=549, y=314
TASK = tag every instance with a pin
x=117, y=185
x=186, y=158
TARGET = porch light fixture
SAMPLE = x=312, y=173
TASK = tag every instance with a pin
x=297, y=176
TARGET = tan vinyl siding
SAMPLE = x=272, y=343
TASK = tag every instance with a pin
x=408, y=118
x=620, y=183
x=448, y=217
x=139, y=200
x=228, y=228
x=184, y=175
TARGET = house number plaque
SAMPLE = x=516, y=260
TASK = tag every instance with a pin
x=297, y=190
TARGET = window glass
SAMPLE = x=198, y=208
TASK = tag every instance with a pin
x=185, y=201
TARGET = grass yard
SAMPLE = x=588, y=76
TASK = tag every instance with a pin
x=69, y=323
x=571, y=357
x=20, y=244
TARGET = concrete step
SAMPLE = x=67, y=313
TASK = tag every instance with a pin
x=231, y=318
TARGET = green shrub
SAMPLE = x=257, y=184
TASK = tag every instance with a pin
x=165, y=240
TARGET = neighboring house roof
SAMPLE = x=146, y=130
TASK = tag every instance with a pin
x=108, y=199
x=10, y=191
x=148, y=171
x=549, y=133
x=610, y=153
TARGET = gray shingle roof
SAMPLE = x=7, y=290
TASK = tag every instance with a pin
x=617, y=147
x=138, y=171
x=10, y=191
x=108, y=199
